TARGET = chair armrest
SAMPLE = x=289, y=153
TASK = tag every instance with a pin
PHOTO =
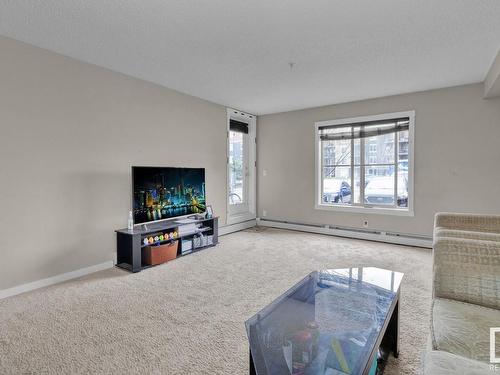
x=467, y=270
x=470, y=222
x=466, y=234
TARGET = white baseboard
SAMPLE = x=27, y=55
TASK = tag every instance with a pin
x=54, y=279
x=379, y=236
x=226, y=229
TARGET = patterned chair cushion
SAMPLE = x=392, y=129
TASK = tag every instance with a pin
x=467, y=270
x=463, y=329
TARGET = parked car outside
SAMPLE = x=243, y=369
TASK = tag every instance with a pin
x=380, y=191
x=403, y=165
x=336, y=190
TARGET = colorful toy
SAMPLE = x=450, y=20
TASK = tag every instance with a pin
x=175, y=234
x=151, y=240
x=171, y=235
x=146, y=241
x=161, y=237
x=156, y=238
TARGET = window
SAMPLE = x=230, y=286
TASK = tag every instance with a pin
x=365, y=164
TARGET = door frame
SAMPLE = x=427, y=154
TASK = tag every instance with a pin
x=251, y=120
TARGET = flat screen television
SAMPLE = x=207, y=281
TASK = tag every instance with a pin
x=161, y=193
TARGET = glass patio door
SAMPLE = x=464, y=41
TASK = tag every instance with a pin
x=238, y=171
x=241, y=169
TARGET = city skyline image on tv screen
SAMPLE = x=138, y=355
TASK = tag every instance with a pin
x=161, y=193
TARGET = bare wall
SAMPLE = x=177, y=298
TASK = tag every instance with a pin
x=457, y=157
x=69, y=133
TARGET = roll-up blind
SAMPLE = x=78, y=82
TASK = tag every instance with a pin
x=363, y=129
x=238, y=126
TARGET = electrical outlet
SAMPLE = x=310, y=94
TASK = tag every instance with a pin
x=365, y=223
x=264, y=213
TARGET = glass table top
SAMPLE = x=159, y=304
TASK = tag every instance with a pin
x=326, y=324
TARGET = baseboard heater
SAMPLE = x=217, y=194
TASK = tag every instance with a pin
x=358, y=233
x=231, y=228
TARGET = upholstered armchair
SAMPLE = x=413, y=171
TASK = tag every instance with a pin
x=466, y=292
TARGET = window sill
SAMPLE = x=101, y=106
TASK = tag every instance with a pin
x=366, y=210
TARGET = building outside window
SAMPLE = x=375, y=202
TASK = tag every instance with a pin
x=364, y=163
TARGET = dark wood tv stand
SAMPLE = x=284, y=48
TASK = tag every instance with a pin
x=129, y=243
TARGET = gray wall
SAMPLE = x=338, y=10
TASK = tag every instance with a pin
x=69, y=133
x=457, y=157
x=492, y=80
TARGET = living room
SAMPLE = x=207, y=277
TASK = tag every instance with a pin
x=265, y=187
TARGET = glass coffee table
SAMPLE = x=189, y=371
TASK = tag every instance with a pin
x=338, y=321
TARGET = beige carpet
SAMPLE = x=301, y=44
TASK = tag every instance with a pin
x=187, y=316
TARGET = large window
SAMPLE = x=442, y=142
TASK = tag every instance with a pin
x=365, y=163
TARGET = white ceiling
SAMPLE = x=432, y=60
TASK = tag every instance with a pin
x=237, y=52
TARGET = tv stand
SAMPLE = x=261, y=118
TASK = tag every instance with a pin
x=129, y=243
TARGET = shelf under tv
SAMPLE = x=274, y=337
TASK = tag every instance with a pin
x=129, y=244
x=201, y=230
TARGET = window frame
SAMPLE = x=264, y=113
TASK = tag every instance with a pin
x=406, y=211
